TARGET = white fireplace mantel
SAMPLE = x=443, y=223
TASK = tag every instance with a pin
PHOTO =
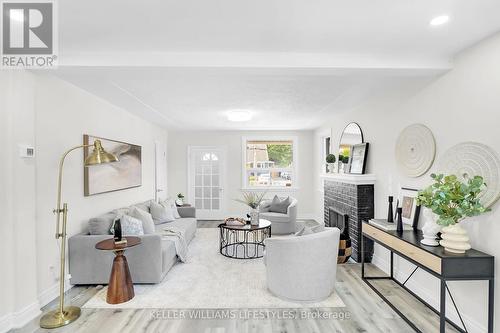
x=348, y=178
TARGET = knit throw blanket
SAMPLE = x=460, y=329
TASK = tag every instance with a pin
x=177, y=237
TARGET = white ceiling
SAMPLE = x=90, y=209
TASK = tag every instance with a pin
x=184, y=63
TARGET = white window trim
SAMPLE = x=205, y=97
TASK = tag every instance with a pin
x=294, y=168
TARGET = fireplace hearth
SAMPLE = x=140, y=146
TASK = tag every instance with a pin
x=347, y=205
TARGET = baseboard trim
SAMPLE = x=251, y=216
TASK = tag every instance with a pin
x=426, y=294
x=50, y=294
x=19, y=318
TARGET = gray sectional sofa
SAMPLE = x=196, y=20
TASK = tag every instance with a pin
x=149, y=262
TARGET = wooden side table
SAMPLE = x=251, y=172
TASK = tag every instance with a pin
x=120, y=287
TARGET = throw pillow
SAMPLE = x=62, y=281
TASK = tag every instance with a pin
x=310, y=230
x=171, y=204
x=100, y=225
x=161, y=214
x=130, y=226
x=279, y=206
x=147, y=220
x=143, y=205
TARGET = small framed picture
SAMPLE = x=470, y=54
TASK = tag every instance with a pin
x=408, y=201
x=357, y=161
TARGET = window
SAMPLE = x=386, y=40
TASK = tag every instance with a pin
x=325, y=152
x=269, y=162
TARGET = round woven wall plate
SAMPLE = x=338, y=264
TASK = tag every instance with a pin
x=415, y=150
x=469, y=159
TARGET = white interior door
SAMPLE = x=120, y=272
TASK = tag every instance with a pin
x=160, y=171
x=205, y=182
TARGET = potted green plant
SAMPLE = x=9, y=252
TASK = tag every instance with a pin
x=453, y=201
x=252, y=200
x=330, y=162
x=345, y=162
x=180, y=199
x=341, y=163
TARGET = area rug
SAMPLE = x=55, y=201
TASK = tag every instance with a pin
x=209, y=280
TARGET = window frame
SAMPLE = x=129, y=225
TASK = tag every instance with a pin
x=294, y=170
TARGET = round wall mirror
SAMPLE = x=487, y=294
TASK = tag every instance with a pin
x=352, y=135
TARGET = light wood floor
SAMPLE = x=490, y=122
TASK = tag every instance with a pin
x=365, y=311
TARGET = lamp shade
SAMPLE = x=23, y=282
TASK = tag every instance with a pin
x=99, y=155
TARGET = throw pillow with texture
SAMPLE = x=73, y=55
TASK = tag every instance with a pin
x=148, y=224
x=130, y=226
x=279, y=206
x=161, y=214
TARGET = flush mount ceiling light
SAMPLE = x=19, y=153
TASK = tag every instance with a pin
x=239, y=115
x=439, y=20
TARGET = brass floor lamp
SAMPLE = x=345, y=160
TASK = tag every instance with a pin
x=65, y=315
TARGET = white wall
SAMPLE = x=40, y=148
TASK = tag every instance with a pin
x=63, y=114
x=232, y=141
x=18, y=297
x=53, y=115
x=462, y=105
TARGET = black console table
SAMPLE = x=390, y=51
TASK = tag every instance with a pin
x=473, y=265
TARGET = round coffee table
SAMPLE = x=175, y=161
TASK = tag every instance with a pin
x=245, y=241
x=120, y=287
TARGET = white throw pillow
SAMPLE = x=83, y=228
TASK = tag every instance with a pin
x=146, y=218
x=161, y=214
x=130, y=226
x=169, y=203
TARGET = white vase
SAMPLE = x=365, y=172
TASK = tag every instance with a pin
x=254, y=217
x=430, y=228
x=331, y=167
x=455, y=239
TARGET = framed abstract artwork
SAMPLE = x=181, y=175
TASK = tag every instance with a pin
x=126, y=173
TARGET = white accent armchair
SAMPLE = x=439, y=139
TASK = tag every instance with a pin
x=302, y=268
x=281, y=224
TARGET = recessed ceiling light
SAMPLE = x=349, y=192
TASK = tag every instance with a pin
x=439, y=20
x=239, y=115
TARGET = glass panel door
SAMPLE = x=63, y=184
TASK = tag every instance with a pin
x=205, y=185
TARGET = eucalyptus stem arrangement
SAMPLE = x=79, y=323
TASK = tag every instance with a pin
x=452, y=200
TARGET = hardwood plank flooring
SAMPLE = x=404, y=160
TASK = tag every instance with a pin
x=365, y=311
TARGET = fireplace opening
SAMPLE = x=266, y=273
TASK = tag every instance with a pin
x=338, y=219
x=341, y=221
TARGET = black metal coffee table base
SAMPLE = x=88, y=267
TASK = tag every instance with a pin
x=246, y=242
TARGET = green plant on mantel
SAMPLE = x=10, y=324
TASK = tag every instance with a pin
x=452, y=200
x=330, y=158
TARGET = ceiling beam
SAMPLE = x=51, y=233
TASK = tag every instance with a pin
x=257, y=60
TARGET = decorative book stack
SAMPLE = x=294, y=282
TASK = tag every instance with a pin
x=388, y=226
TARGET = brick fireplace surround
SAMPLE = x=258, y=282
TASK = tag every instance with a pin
x=352, y=195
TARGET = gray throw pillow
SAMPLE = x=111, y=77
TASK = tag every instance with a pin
x=161, y=214
x=144, y=206
x=148, y=225
x=100, y=225
x=279, y=206
x=131, y=226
